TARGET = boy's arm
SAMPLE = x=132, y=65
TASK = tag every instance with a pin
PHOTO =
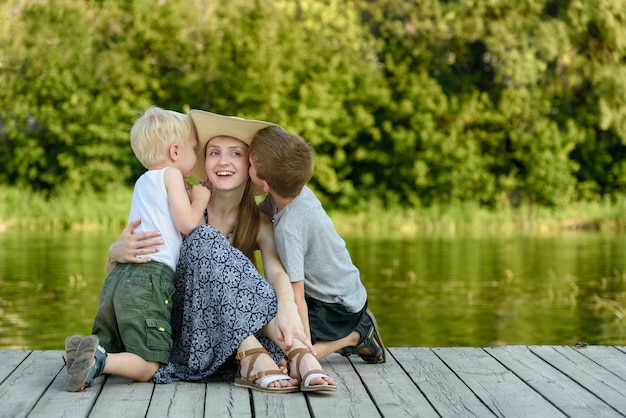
x=303, y=310
x=187, y=215
x=288, y=321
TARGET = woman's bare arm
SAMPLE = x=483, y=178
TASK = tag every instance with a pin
x=133, y=248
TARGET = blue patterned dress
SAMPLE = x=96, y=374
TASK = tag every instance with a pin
x=220, y=300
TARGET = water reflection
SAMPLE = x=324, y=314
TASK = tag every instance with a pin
x=50, y=284
x=444, y=290
x=477, y=290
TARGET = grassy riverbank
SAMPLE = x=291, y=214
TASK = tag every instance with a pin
x=592, y=216
x=69, y=210
x=24, y=209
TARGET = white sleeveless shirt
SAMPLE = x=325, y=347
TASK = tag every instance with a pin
x=150, y=203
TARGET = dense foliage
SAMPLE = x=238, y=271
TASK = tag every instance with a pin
x=412, y=103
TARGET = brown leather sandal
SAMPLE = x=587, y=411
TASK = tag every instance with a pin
x=305, y=380
x=266, y=377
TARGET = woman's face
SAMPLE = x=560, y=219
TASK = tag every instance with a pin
x=226, y=162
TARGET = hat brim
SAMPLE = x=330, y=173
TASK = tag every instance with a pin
x=209, y=125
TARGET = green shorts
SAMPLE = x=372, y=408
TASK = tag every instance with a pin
x=135, y=311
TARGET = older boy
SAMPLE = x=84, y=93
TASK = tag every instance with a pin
x=331, y=299
x=133, y=318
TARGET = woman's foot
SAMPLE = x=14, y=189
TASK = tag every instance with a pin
x=308, y=370
x=283, y=365
x=258, y=371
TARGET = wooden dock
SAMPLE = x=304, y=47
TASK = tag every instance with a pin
x=513, y=381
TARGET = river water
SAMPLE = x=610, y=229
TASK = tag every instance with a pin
x=426, y=290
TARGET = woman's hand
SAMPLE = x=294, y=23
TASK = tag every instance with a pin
x=289, y=326
x=134, y=248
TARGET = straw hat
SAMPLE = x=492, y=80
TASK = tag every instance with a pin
x=209, y=125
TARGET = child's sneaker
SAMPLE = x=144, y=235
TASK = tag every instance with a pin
x=83, y=370
x=71, y=344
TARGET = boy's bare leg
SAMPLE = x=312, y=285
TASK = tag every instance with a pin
x=91, y=360
x=324, y=348
x=131, y=366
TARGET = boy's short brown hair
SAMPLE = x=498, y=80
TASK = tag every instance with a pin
x=285, y=161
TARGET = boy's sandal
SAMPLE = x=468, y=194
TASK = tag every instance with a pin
x=305, y=381
x=71, y=344
x=266, y=377
x=347, y=351
x=81, y=374
x=373, y=343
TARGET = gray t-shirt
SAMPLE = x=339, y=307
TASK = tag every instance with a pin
x=311, y=250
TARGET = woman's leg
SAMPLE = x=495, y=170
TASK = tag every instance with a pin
x=220, y=301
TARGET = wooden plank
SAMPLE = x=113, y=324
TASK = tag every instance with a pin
x=350, y=400
x=448, y=395
x=268, y=405
x=58, y=402
x=225, y=399
x=567, y=395
x=23, y=388
x=610, y=358
x=506, y=381
x=496, y=386
x=598, y=380
x=393, y=392
x=179, y=399
x=10, y=359
x=121, y=397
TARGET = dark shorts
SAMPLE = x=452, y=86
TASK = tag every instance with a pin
x=331, y=321
x=135, y=311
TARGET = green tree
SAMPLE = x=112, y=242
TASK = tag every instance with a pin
x=411, y=103
x=59, y=129
x=306, y=65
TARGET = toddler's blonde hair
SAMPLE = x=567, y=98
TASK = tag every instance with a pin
x=155, y=131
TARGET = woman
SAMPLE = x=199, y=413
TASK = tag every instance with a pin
x=222, y=307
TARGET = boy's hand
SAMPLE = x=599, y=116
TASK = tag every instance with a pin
x=207, y=183
x=199, y=192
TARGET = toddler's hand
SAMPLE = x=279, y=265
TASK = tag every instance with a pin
x=207, y=183
x=201, y=192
